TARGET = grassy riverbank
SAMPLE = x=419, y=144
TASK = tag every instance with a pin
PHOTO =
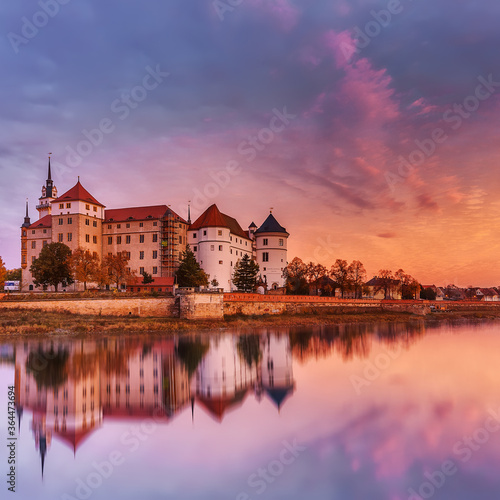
x=23, y=322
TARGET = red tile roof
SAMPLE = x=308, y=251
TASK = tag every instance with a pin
x=212, y=217
x=42, y=223
x=166, y=281
x=139, y=213
x=77, y=193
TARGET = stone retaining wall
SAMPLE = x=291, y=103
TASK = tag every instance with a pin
x=155, y=307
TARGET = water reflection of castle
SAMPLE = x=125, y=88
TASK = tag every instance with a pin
x=72, y=386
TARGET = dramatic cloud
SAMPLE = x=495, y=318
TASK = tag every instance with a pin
x=383, y=121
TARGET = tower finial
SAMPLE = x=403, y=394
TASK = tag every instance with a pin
x=78, y=178
x=49, y=177
x=271, y=210
x=27, y=221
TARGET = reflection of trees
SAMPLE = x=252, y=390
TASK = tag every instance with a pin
x=190, y=352
x=49, y=367
x=352, y=340
x=249, y=349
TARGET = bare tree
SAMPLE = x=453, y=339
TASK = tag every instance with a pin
x=341, y=274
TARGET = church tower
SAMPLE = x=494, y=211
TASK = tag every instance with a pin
x=49, y=193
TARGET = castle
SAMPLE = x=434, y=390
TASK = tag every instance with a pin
x=153, y=237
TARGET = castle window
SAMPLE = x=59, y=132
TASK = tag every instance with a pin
x=281, y=242
x=127, y=239
x=87, y=222
x=87, y=207
x=118, y=226
x=33, y=244
x=70, y=220
x=141, y=255
x=155, y=270
x=141, y=224
x=220, y=248
x=141, y=270
x=265, y=257
x=61, y=206
x=155, y=254
x=155, y=223
x=44, y=231
x=219, y=232
x=33, y=259
x=68, y=205
x=110, y=240
x=128, y=256
x=109, y=226
x=180, y=240
x=60, y=237
x=45, y=243
x=95, y=209
x=155, y=238
x=195, y=249
x=61, y=222
x=94, y=223
x=231, y=250
x=141, y=238
x=118, y=240
x=87, y=238
x=204, y=233
x=220, y=261
x=265, y=241
x=194, y=235
x=24, y=259
x=32, y=231
x=212, y=248
x=128, y=225
x=70, y=236
x=94, y=239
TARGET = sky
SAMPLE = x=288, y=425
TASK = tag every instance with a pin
x=369, y=127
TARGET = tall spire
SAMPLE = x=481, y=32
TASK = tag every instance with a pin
x=27, y=221
x=49, y=177
x=189, y=212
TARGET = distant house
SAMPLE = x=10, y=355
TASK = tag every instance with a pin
x=375, y=289
x=487, y=295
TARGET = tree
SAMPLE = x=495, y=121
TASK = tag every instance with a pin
x=427, y=293
x=3, y=273
x=53, y=266
x=295, y=274
x=245, y=274
x=214, y=283
x=116, y=266
x=357, y=274
x=341, y=274
x=14, y=275
x=189, y=272
x=314, y=272
x=386, y=282
x=409, y=285
x=147, y=278
x=85, y=266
